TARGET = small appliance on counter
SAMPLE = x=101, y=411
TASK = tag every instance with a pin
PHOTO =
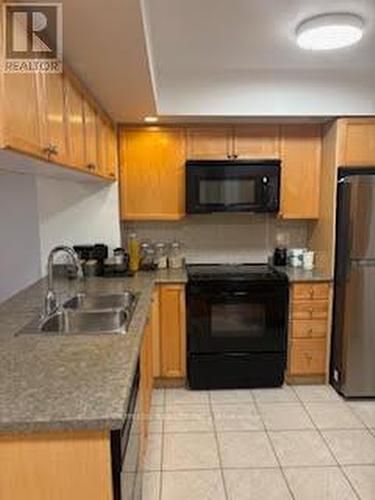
x=280, y=257
x=118, y=265
x=94, y=256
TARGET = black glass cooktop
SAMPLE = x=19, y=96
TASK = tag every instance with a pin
x=248, y=272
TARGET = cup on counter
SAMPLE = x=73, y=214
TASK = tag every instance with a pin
x=295, y=256
x=308, y=260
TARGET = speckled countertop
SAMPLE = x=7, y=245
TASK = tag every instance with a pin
x=70, y=382
x=298, y=274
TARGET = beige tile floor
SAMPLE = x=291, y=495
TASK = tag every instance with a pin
x=301, y=443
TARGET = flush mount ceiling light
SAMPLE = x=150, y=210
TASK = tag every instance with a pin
x=330, y=31
x=151, y=119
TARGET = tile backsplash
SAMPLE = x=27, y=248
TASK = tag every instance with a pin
x=222, y=238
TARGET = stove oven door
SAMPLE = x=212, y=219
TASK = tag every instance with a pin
x=236, y=317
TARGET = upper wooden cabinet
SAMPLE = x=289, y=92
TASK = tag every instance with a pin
x=356, y=142
x=53, y=117
x=249, y=141
x=152, y=174
x=21, y=127
x=106, y=148
x=75, y=124
x=209, y=143
x=301, y=163
x=256, y=141
x=90, y=137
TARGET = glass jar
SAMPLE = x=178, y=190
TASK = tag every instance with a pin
x=176, y=259
x=147, y=256
x=161, y=256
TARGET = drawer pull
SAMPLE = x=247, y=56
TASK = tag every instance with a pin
x=308, y=357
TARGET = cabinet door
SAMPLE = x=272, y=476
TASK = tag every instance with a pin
x=152, y=174
x=307, y=357
x=301, y=162
x=257, y=141
x=102, y=145
x=90, y=137
x=209, y=143
x=172, y=331
x=22, y=111
x=75, y=125
x=112, y=156
x=54, y=118
x=357, y=142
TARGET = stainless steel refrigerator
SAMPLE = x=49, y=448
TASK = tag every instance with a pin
x=353, y=341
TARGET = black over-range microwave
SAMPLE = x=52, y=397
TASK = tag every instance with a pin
x=232, y=186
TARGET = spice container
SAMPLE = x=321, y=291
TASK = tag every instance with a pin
x=161, y=256
x=176, y=259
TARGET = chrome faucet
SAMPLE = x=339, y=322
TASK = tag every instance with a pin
x=50, y=302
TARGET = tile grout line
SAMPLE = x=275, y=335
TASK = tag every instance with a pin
x=218, y=446
x=162, y=446
x=327, y=445
x=274, y=449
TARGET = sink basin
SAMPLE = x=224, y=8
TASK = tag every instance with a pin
x=81, y=322
x=125, y=300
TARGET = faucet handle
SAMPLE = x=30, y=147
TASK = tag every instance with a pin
x=50, y=303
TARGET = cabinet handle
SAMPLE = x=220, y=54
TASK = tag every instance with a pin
x=310, y=332
x=311, y=292
x=91, y=166
x=51, y=150
x=308, y=357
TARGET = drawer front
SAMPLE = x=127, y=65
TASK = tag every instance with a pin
x=310, y=291
x=307, y=357
x=310, y=310
x=309, y=329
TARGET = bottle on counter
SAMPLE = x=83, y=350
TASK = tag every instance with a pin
x=176, y=259
x=133, y=248
x=161, y=256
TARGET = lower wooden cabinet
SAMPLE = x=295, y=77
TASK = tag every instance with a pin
x=56, y=465
x=308, y=329
x=172, y=331
x=308, y=356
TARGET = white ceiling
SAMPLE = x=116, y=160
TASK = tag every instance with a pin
x=239, y=57
x=216, y=58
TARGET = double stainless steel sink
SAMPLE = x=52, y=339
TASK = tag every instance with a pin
x=92, y=314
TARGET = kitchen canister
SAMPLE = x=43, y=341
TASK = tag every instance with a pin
x=308, y=260
x=295, y=256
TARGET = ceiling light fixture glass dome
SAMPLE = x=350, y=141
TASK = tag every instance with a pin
x=330, y=31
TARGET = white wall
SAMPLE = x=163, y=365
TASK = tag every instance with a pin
x=38, y=213
x=73, y=213
x=19, y=233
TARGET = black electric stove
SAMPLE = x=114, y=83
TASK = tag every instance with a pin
x=237, y=319
x=237, y=272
